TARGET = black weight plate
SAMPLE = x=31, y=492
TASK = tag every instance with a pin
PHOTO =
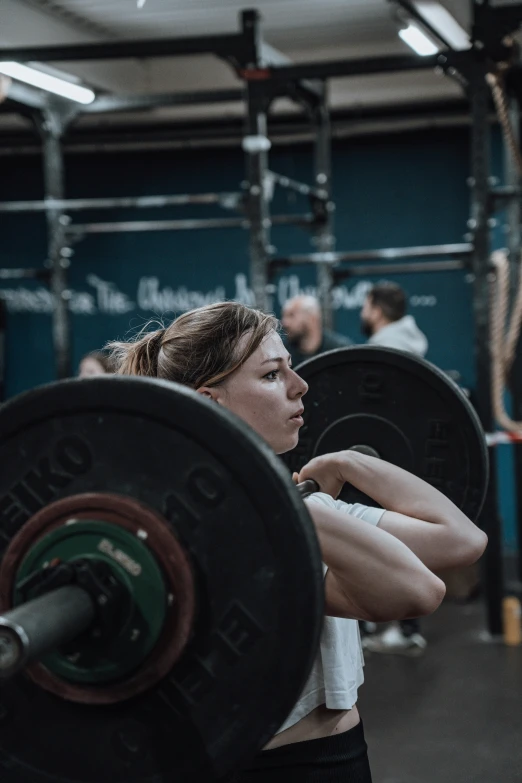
x=402, y=406
x=258, y=566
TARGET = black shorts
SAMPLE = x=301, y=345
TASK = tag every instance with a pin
x=341, y=758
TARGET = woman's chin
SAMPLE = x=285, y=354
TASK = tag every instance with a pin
x=290, y=444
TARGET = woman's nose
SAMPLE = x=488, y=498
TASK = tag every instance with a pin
x=300, y=387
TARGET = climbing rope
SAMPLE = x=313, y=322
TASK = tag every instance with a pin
x=502, y=348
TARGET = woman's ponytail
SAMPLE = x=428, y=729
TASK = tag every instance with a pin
x=139, y=357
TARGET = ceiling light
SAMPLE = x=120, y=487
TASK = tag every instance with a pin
x=46, y=81
x=418, y=41
x=444, y=23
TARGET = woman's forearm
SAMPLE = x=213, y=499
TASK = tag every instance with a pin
x=396, y=489
x=416, y=513
x=375, y=576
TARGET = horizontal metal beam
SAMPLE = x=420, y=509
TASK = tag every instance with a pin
x=115, y=103
x=105, y=138
x=222, y=45
x=270, y=56
x=505, y=193
x=25, y=274
x=82, y=229
x=395, y=269
x=353, y=67
x=461, y=250
x=228, y=200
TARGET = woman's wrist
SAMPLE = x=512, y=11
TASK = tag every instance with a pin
x=345, y=462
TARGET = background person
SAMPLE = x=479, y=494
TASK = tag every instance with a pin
x=385, y=323
x=95, y=363
x=303, y=326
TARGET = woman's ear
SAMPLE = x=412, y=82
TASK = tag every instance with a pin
x=210, y=392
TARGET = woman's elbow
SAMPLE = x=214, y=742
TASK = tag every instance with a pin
x=470, y=548
x=419, y=596
x=428, y=597
x=477, y=546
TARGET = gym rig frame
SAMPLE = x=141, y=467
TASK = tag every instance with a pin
x=267, y=75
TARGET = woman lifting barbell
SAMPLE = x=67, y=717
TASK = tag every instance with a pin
x=376, y=562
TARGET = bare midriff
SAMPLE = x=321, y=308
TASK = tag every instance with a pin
x=321, y=722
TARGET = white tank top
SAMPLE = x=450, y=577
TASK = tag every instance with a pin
x=337, y=672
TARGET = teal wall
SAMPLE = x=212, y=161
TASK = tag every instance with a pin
x=391, y=191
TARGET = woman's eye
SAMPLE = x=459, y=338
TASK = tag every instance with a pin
x=272, y=375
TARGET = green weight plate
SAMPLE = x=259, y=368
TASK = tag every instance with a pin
x=93, y=660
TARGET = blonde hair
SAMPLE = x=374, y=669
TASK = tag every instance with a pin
x=200, y=348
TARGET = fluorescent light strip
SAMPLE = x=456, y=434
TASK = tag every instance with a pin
x=45, y=81
x=444, y=23
x=418, y=41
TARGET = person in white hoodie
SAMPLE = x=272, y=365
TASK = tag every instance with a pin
x=385, y=323
x=384, y=320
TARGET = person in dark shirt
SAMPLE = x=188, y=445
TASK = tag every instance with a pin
x=303, y=327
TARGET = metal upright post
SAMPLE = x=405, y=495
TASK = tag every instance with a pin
x=480, y=173
x=513, y=241
x=256, y=145
x=324, y=236
x=3, y=347
x=52, y=125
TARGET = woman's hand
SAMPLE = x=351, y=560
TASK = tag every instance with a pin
x=326, y=471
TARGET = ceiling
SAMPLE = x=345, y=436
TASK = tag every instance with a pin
x=302, y=29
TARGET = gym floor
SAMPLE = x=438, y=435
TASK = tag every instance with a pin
x=451, y=716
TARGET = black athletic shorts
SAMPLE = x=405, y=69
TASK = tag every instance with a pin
x=341, y=758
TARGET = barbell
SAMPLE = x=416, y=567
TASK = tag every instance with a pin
x=161, y=593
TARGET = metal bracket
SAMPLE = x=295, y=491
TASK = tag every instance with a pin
x=261, y=58
x=493, y=26
x=56, y=116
